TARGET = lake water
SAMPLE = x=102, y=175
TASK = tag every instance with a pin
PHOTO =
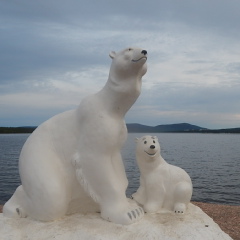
x=211, y=160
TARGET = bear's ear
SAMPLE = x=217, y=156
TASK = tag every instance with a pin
x=155, y=137
x=112, y=54
x=136, y=140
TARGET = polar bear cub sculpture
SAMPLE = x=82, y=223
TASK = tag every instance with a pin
x=162, y=185
x=72, y=162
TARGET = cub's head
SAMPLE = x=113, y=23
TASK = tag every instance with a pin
x=130, y=62
x=148, y=147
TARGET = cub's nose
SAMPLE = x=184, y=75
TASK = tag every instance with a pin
x=152, y=146
x=144, y=52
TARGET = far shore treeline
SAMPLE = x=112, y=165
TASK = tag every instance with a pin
x=17, y=129
x=138, y=128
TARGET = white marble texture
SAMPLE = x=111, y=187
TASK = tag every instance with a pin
x=162, y=185
x=195, y=225
x=72, y=162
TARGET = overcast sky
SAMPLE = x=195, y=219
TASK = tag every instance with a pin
x=54, y=53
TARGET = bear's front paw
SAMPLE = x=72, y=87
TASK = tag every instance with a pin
x=127, y=214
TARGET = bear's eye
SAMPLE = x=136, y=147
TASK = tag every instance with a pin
x=153, y=141
x=145, y=142
x=129, y=49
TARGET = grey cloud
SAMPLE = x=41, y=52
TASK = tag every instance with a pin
x=206, y=106
x=191, y=97
x=44, y=39
x=234, y=67
x=215, y=14
x=25, y=53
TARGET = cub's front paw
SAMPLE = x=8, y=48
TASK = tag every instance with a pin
x=179, y=208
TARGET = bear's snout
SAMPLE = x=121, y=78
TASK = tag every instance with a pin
x=144, y=52
x=152, y=146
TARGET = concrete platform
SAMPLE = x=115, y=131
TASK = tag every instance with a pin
x=195, y=225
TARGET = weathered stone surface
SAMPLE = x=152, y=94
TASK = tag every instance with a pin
x=195, y=225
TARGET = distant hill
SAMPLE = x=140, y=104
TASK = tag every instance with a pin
x=179, y=127
x=225, y=130
x=139, y=128
x=27, y=129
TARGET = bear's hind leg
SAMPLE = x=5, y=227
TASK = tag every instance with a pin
x=49, y=199
x=46, y=183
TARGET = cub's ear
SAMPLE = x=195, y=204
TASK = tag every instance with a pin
x=112, y=54
x=136, y=140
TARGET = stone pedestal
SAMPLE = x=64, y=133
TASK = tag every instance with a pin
x=165, y=226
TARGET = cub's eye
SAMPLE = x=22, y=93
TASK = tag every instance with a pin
x=145, y=142
x=153, y=141
x=129, y=49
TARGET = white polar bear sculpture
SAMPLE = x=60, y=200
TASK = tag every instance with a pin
x=162, y=185
x=74, y=157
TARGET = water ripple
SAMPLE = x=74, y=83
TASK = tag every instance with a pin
x=211, y=160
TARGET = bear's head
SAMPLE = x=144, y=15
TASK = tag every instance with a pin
x=148, y=147
x=128, y=63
